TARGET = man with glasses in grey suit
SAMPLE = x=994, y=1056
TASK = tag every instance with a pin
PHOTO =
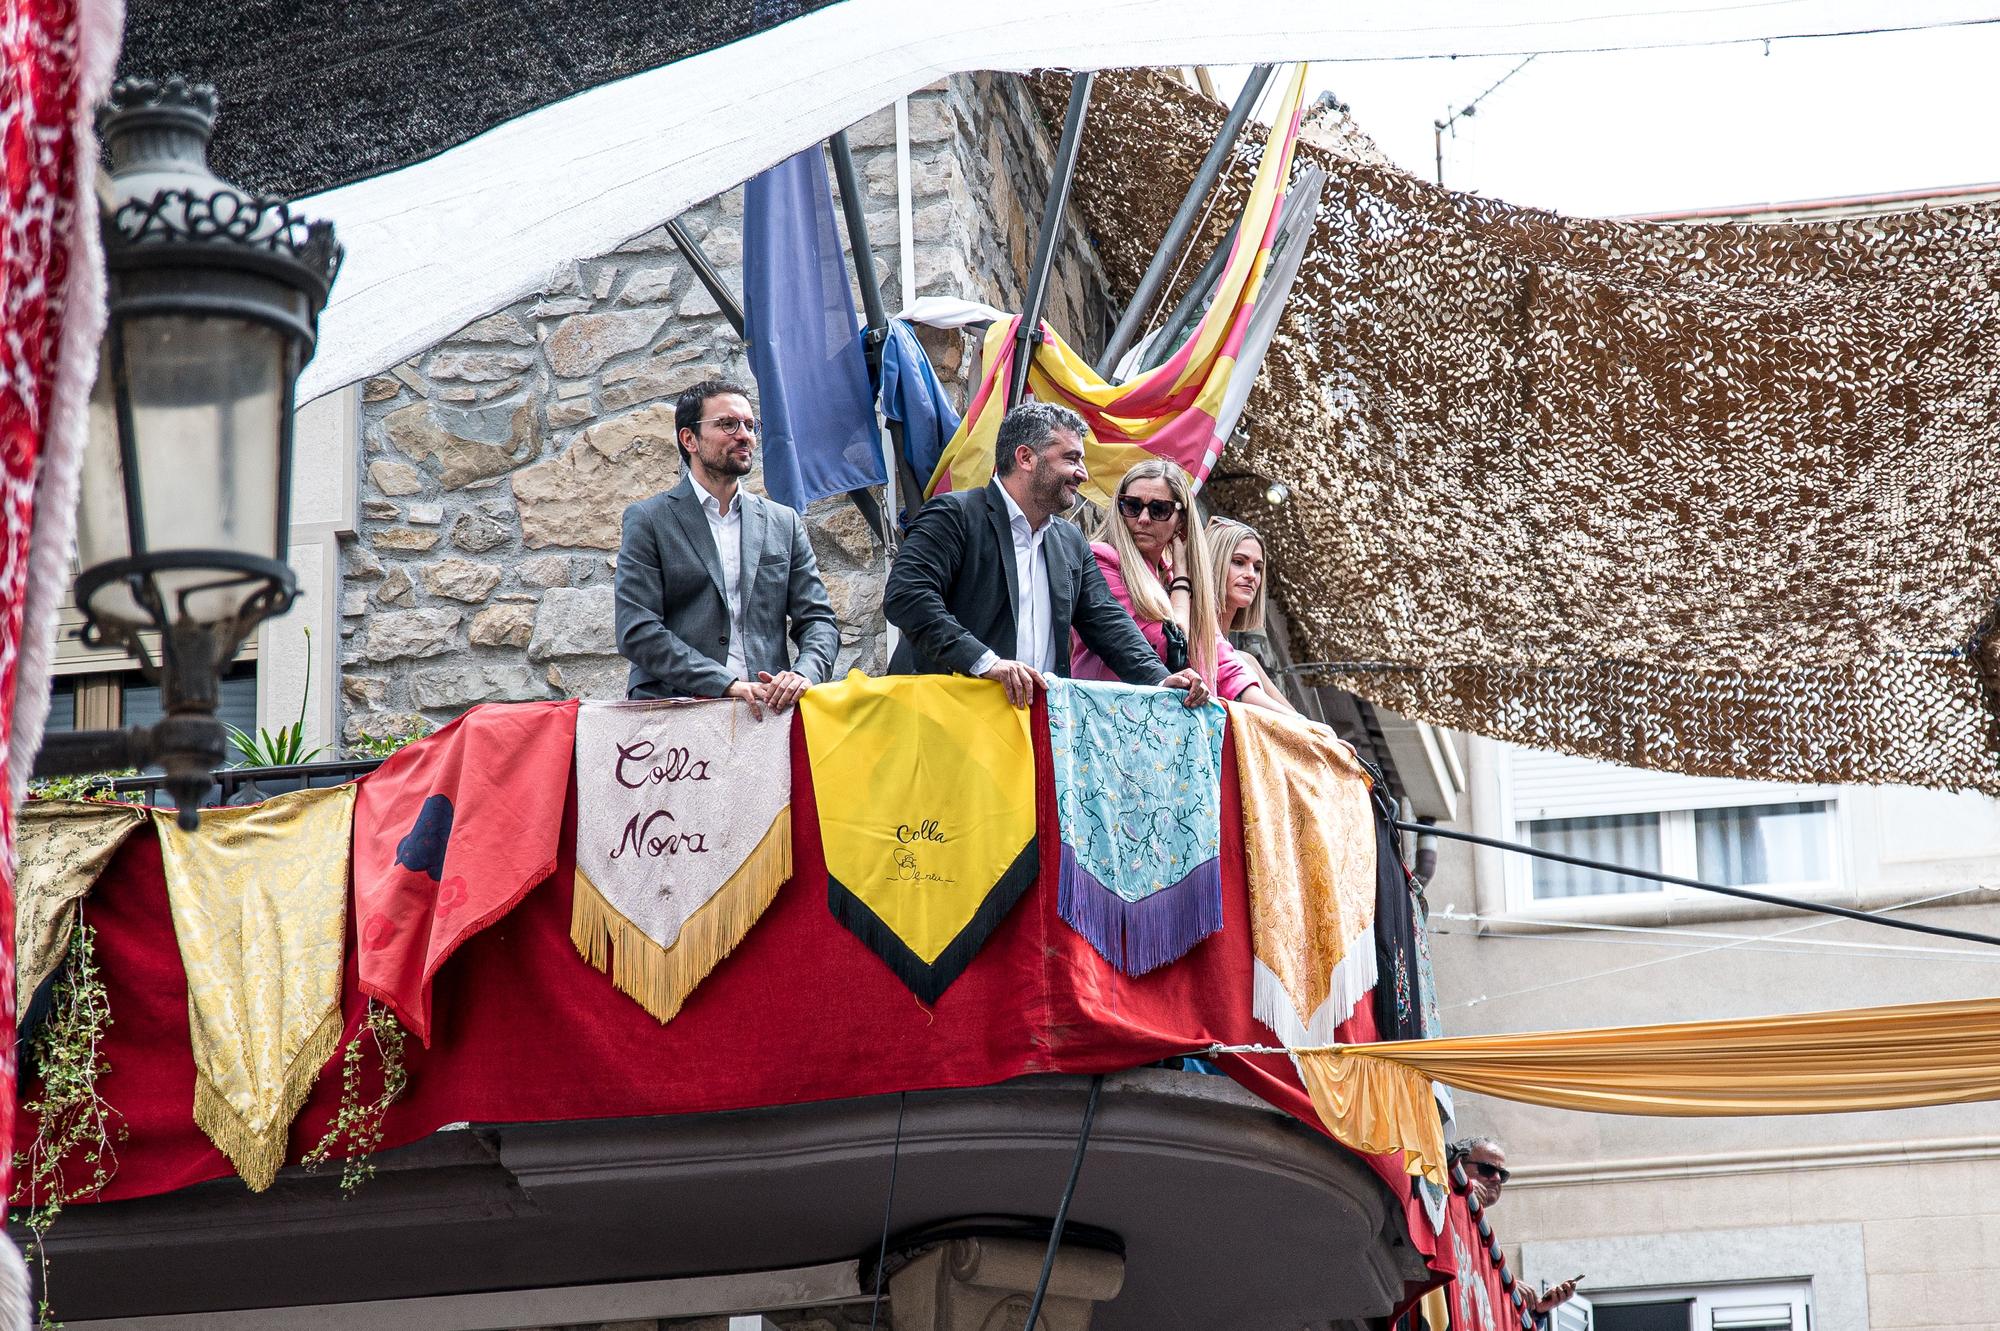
x=710, y=578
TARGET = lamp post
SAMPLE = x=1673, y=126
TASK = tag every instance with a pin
x=214, y=301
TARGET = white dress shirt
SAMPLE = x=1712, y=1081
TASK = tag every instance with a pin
x=1034, y=636
x=727, y=529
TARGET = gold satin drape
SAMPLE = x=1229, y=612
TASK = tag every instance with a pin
x=259, y=902
x=1377, y=1097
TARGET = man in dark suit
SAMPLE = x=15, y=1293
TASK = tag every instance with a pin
x=708, y=576
x=989, y=582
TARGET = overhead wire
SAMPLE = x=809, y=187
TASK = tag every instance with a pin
x=1719, y=889
x=1683, y=956
x=1689, y=44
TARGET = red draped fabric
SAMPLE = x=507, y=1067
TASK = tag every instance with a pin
x=526, y=1031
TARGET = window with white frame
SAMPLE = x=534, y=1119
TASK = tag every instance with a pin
x=1757, y=1307
x=1738, y=833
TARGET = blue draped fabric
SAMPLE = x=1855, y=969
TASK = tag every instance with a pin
x=912, y=395
x=818, y=411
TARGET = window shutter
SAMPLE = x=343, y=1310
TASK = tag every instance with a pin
x=1556, y=785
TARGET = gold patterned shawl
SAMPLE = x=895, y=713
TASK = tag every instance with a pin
x=259, y=901
x=63, y=846
x=1309, y=854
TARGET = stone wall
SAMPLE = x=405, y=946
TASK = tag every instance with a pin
x=497, y=464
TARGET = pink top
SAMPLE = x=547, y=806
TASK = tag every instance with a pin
x=1231, y=675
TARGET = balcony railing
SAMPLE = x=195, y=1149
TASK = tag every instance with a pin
x=247, y=785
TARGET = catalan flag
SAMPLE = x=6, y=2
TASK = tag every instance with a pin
x=1175, y=410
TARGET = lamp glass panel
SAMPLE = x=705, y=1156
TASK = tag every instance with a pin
x=207, y=399
x=101, y=534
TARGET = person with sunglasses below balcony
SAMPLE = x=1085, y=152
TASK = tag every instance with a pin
x=1485, y=1163
x=709, y=577
x=1160, y=574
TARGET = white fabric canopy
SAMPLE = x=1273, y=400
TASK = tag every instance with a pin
x=440, y=243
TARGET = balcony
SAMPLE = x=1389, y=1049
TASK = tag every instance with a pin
x=1223, y=1211
x=562, y=1156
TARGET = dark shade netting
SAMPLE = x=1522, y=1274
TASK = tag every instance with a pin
x=318, y=93
x=1721, y=499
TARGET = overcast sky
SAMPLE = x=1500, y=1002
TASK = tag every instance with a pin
x=1643, y=131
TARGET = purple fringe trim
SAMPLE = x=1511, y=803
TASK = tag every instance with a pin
x=1139, y=936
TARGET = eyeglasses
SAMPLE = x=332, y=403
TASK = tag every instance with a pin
x=732, y=425
x=1159, y=510
x=1491, y=1171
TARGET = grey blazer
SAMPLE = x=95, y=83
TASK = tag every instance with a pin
x=673, y=621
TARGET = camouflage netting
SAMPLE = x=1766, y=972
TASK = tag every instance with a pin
x=1719, y=499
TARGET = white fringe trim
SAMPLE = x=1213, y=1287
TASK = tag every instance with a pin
x=1353, y=976
x=52, y=542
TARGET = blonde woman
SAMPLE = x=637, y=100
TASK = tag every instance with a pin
x=1162, y=579
x=1236, y=562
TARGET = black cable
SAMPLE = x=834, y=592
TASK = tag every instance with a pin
x=1611, y=48
x=888, y=1208
x=1768, y=898
x=1062, y=1207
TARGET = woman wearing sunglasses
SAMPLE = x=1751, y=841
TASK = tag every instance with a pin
x=1236, y=561
x=1162, y=578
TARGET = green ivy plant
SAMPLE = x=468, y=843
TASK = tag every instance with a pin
x=382, y=746
x=91, y=786
x=73, y=1123
x=285, y=746
x=358, y=1124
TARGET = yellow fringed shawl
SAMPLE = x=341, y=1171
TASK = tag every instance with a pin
x=1309, y=855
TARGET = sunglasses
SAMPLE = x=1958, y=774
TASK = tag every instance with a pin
x=732, y=425
x=1159, y=510
x=1490, y=1171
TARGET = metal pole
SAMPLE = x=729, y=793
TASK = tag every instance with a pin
x=871, y=309
x=1062, y=173
x=857, y=238
x=1189, y=308
x=1769, y=899
x=1184, y=221
x=732, y=308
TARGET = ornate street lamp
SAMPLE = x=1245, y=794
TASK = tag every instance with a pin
x=214, y=299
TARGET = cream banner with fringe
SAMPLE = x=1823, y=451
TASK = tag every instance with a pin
x=259, y=901
x=683, y=837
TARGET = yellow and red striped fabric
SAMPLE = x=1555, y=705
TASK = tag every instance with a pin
x=1169, y=411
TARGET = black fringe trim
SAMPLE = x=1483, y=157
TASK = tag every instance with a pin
x=928, y=982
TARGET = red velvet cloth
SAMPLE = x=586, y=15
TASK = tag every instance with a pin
x=525, y=1031
x=488, y=792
